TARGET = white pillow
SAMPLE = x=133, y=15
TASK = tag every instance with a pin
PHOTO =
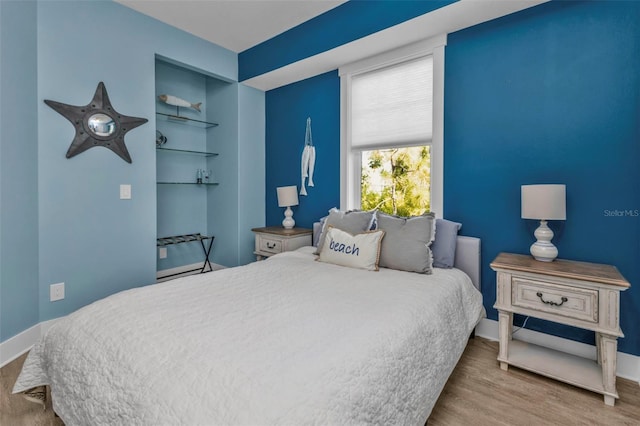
x=360, y=251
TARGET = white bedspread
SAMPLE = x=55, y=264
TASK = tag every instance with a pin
x=284, y=341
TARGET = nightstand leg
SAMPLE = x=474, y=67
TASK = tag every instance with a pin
x=608, y=349
x=598, y=349
x=505, y=322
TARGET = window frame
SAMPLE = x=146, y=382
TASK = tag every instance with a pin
x=350, y=159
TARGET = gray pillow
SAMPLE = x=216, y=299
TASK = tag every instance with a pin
x=352, y=221
x=317, y=230
x=444, y=245
x=406, y=243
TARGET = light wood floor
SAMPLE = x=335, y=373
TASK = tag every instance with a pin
x=478, y=393
x=14, y=409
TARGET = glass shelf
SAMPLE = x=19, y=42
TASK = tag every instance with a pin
x=185, y=120
x=188, y=183
x=186, y=151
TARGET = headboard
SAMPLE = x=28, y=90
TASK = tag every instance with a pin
x=467, y=254
x=468, y=258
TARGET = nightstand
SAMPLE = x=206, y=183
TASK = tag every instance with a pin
x=276, y=239
x=581, y=294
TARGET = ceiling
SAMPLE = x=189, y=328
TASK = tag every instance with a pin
x=233, y=24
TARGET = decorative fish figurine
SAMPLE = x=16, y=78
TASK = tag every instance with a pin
x=308, y=159
x=175, y=101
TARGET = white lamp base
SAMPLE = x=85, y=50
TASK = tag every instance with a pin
x=288, y=221
x=543, y=250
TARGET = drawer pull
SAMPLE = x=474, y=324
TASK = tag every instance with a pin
x=551, y=302
x=271, y=245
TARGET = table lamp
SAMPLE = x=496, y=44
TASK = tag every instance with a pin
x=544, y=202
x=287, y=197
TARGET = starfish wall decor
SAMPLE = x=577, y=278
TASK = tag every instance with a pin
x=97, y=124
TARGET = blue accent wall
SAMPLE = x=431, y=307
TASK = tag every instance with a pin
x=287, y=110
x=547, y=95
x=18, y=168
x=348, y=22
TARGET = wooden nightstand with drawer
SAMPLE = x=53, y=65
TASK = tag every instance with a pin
x=581, y=294
x=276, y=239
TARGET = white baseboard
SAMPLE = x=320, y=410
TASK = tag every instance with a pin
x=46, y=325
x=17, y=345
x=628, y=366
x=183, y=271
x=22, y=342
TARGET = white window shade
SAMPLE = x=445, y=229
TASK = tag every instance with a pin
x=393, y=105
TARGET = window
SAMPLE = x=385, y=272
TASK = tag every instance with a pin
x=391, y=137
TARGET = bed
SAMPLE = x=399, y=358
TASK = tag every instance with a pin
x=288, y=340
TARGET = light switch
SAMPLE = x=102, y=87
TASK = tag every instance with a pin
x=125, y=192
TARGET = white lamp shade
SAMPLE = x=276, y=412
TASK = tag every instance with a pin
x=287, y=196
x=544, y=202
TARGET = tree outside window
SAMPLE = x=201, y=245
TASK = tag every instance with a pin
x=397, y=181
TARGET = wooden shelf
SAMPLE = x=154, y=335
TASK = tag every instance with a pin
x=575, y=370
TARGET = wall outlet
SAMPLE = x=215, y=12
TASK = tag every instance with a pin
x=162, y=252
x=56, y=292
x=125, y=192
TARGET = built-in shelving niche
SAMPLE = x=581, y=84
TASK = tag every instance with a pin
x=193, y=142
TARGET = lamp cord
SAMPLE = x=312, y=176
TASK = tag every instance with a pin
x=521, y=327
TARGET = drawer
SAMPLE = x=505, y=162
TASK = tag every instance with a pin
x=555, y=298
x=270, y=245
